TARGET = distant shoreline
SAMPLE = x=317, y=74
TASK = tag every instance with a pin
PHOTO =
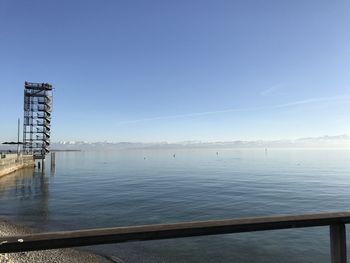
x=57, y=150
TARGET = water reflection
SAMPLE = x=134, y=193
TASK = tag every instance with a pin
x=17, y=180
x=24, y=190
x=53, y=170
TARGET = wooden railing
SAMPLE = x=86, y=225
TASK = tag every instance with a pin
x=42, y=241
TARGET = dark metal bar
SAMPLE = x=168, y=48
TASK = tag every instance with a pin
x=338, y=243
x=164, y=231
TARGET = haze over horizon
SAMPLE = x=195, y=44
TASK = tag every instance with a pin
x=143, y=71
x=340, y=141
x=324, y=137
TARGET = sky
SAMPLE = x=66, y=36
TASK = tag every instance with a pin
x=158, y=70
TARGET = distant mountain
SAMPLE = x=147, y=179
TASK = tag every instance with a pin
x=339, y=141
x=343, y=137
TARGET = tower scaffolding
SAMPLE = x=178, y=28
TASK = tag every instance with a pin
x=37, y=119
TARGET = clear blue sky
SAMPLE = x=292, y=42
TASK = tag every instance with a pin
x=179, y=70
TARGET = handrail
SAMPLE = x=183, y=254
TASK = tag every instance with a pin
x=88, y=237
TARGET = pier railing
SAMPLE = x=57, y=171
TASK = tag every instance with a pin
x=42, y=241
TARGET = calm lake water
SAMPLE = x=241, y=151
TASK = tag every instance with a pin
x=134, y=187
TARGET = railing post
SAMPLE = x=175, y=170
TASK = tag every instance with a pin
x=338, y=243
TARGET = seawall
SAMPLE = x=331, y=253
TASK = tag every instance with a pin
x=13, y=162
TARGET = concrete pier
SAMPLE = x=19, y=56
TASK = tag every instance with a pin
x=13, y=162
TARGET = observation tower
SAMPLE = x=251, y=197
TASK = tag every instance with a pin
x=37, y=119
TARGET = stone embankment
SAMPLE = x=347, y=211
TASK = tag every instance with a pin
x=13, y=162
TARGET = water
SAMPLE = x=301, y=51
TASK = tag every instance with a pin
x=134, y=187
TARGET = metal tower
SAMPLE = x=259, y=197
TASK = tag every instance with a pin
x=37, y=119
